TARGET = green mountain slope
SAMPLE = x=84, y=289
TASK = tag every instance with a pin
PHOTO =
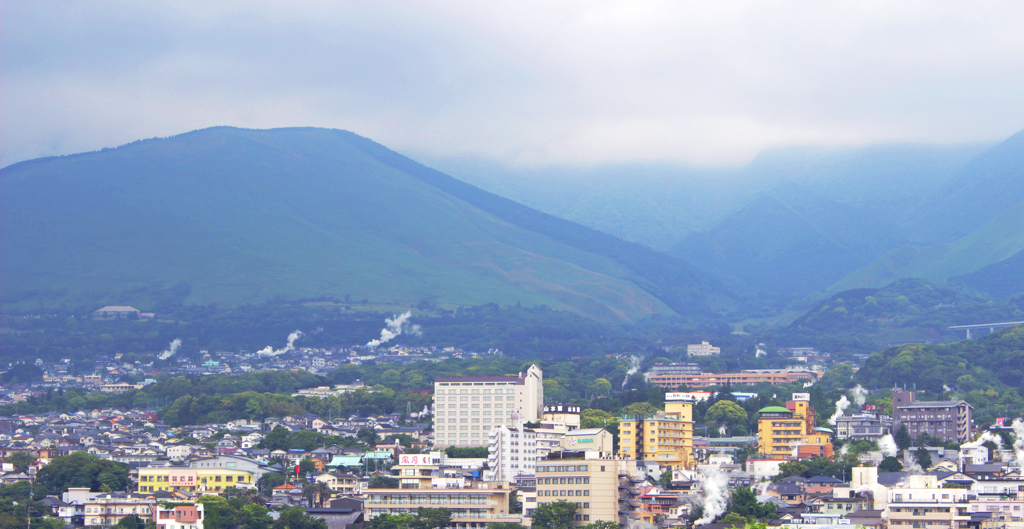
x=232, y=216
x=906, y=310
x=998, y=239
x=1001, y=280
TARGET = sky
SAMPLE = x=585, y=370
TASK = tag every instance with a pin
x=522, y=83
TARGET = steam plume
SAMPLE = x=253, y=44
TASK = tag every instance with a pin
x=1018, y=441
x=859, y=395
x=841, y=406
x=394, y=326
x=716, y=495
x=634, y=366
x=171, y=350
x=888, y=445
x=270, y=351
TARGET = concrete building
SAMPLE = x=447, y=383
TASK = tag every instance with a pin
x=193, y=480
x=596, y=440
x=921, y=503
x=792, y=432
x=466, y=408
x=702, y=349
x=746, y=377
x=423, y=484
x=949, y=420
x=666, y=437
x=675, y=369
x=604, y=489
x=179, y=517
x=511, y=453
x=107, y=509
x=869, y=425
x=232, y=462
x=558, y=420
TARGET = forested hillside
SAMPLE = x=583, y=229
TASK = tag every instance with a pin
x=865, y=320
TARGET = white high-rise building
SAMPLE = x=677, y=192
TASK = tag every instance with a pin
x=466, y=408
x=511, y=453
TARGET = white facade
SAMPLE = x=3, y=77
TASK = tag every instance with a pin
x=467, y=408
x=702, y=349
x=511, y=452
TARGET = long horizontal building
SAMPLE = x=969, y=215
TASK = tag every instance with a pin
x=748, y=377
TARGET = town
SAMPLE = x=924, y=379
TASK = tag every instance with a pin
x=494, y=450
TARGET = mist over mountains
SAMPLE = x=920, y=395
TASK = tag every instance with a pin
x=232, y=216
x=806, y=222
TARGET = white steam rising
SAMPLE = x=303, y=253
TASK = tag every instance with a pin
x=841, y=406
x=888, y=445
x=270, y=351
x=395, y=326
x=171, y=350
x=947, y=389
x=985, y=436
x=859, y=395
x=1018, y=442
x=634, y=366
x=716, y=495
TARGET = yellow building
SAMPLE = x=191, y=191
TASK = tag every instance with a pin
x=666, y=437
x=791, y=432
x=193, y=480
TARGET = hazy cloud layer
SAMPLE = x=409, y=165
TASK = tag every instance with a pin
x=523, y=82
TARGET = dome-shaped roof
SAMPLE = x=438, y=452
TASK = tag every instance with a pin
x=774, y=409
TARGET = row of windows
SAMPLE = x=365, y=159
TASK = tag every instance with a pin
x=475, y=405
x=578, y=492
x=561, y=481
x=565, y=468
x=474, y=398
x=474, y=390
x=189, y=480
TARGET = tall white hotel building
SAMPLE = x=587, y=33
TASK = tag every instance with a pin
x=466, y=408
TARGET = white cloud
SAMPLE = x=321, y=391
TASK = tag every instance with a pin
x=529, y=82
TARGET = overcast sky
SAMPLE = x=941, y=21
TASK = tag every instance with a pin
x=590, y=82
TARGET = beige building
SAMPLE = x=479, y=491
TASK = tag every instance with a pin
x=422, y=484
x=604, y=489
x=666, y=437
x=466, y=408
x=589, y=439
x=108, y=509
x=558, y=420
x=921, y=504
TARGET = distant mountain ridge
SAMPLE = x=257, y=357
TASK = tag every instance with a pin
x=232, y=216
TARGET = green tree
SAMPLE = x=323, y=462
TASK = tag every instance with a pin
x=383, y=482
x=391, y=521
x=368, y=436
x=427, y=518
x=268, y=481
x=277, y=439
x=554, y=515
x=734, y=520
x=640, y=408
x=902, y=437
x=600, y=386
x=726, y=412
x=255, y=516
x=744, y=502
x=890, y=464
x=296, y=518
x=21, y=460
x=83, y=470
x=307, y=466
x=923, y=458
x=665, y=481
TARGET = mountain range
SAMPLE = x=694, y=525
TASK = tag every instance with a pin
x=230, y=216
